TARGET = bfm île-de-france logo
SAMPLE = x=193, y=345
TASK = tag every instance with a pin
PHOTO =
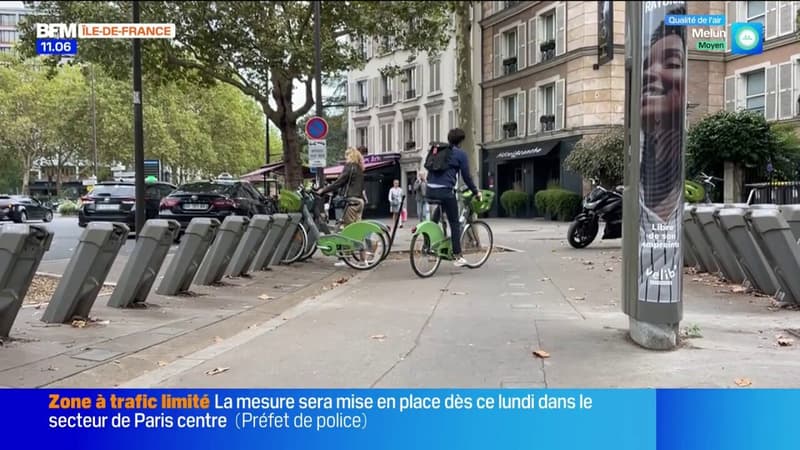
x=747, y=38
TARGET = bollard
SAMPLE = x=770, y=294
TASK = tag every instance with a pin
x=249, y=245
x=212, y=269
x=183, y=267
x=21, y=250
x=751, y=258
x=780, y=248
x=145, y=262
x=720, y=248
x=792, y=215
x=86, y=272
x=283, y=244
x=278, y=226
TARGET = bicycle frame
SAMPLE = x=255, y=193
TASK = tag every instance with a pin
x=439, y=241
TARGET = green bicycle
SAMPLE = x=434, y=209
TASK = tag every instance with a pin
x=430, y=243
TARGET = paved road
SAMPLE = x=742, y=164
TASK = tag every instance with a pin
x=65, y=239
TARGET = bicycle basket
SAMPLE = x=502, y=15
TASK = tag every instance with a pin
x=693, y=191
x=484, y=204
x=290, y=201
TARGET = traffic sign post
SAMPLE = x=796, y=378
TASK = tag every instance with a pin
x=316, y=132
x=316, y=129
x=317, y=153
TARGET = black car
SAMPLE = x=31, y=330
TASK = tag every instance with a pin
x=21, y=209
x=212, y=199
x=115, y=201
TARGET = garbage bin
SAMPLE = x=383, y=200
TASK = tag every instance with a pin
x=780, y=248
x=86, y=272
x=145, y=262
x=700, y=246
x=219, y=255
x=720, y=248
x=792, y=215
x=249, y=245
x=278, y=226
x=750, y=256
x=21, y=250
x=194, y=246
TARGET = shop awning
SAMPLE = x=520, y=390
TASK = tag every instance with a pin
x=335, y=171
x=258, y=175
x=530, y=150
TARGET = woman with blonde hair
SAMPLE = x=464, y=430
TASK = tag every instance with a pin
x=351, y=186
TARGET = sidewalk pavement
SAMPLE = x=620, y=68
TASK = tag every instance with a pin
x=388, y=328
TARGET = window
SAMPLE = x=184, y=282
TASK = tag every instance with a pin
x=387, y=45
x=755, y=98
x=510, y=46
x=509, y=116
x=548, y=43
x=756, y=12
x=8, y=20
x=362, y=48
x=386, y=137
x=361, y=137
x=434, y=127
x=409, y=83
x=5, y=49
x=361, y=92
x=8, y=37
x=547, y=94
x=387, y=86
x=435, y=74
x=408, y=134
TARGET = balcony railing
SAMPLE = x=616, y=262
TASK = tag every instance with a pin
x=386, y=100
x=411, y=93
x=548, y=122
x=410, y=145
x=548, y=50
x=510, y=65
x=510, y=130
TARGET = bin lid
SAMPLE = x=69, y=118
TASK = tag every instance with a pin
x=99, y=233
x=202, y=226
x=705, y=214
x=260, y=222
x=157, y=228
x=768, y=220
x=732, y=217
x=234, y=223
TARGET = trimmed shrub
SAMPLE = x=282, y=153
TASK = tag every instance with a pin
x=68, y=208
x=559, y=204
x=513, y=201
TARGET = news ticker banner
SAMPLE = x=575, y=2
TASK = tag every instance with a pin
x=400, y=419
x=62, y=38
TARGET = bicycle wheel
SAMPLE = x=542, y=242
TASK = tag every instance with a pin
x=424, y=261
x=296, y=245
x=477, y=243
x=311, y=250
x=372, y=256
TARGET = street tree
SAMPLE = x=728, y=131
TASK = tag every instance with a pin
x=261, y=48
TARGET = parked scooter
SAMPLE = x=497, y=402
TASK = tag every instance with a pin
x=601, y=204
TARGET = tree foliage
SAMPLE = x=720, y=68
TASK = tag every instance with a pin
x=600, y=156
x=261, y=48
x=744, y=138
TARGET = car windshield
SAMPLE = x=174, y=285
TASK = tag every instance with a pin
x=114, y=190
x=205, y=188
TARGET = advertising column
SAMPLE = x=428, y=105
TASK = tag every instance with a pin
x=655, y=118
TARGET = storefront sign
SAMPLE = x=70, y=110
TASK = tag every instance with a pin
x=371, y=159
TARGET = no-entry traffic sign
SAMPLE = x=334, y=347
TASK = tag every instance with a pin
x=316, y=128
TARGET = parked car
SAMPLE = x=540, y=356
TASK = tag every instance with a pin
x=212, y=199
x=115, y=202
x=20, y=209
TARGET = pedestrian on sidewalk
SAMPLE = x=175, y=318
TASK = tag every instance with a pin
x=444, y=166
x=396, y=203
x=420, y=186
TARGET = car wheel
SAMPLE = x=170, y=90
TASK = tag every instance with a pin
x=48, y=217
x=22, y=217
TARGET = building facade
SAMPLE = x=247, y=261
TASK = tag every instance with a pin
x=9, y=20
x=402, y=114
x=545, y=87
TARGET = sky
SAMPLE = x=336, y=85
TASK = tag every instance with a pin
x=299, y=97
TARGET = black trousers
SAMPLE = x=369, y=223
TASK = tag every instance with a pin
x=450, y=207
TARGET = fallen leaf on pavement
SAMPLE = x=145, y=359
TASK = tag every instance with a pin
x=378, y=337
x=443, y=290
x=738, y=289
x=265, y=297
x=218, y=370
x=571, y=289
x=545, y=279
x=609, y=269
x=342, y=280
x=697, y=279
x=579, y=298
x=162, y=364
x=218, y=339
x=252, y=326
x=541, y=354
x=784, y=341
x=116, y=361
x=743, y=382
x=79, y=323
x=587, y=263
x=458, y=293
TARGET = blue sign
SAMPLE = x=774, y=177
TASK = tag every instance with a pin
x=63, y=47
x=316, y=128
x=694, y=20
x=747, y=38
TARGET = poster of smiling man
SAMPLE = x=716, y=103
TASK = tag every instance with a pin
x=662, y=135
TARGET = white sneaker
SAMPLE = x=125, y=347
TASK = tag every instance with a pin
x=460, y=262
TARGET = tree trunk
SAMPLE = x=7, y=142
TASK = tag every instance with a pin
x=464, y=84
x=287, y=123
x=27, y=162
x=59, y=168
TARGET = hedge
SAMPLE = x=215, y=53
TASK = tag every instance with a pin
x=513, y=201
x=558, y=203
x=68, y=208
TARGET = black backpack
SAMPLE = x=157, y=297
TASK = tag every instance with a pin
x=438, y=159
